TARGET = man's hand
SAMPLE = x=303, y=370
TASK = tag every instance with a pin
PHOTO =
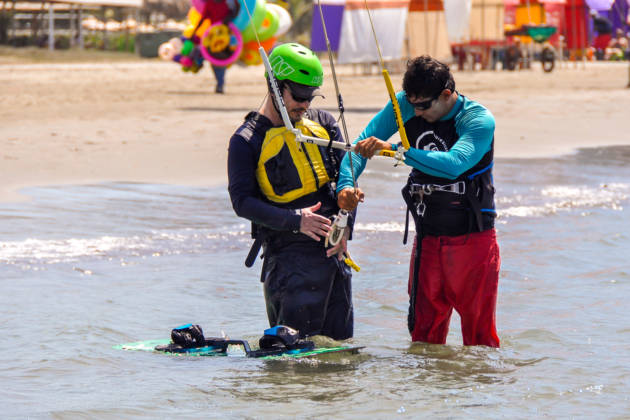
x=368, y=147
x=349, y=198
x=312, y=224
x=341, y=248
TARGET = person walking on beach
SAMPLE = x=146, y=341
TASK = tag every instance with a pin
x=219, y=75
x=450, y=194
x=286, y=190
x=223, y=11
x=604, y=29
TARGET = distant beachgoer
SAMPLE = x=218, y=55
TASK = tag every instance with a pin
x=224, y=11
x=219, y=75
x=604, y=29
x=617, y=47
x=514, y=55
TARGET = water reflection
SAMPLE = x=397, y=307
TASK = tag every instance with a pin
x=330, y=378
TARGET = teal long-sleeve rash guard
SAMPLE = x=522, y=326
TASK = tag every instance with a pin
x=474, y=125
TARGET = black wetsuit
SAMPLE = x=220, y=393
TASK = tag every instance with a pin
x=303, y=288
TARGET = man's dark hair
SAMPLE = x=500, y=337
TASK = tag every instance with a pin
x=427, y=77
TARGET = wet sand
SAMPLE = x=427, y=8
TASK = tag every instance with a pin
x=147, y=121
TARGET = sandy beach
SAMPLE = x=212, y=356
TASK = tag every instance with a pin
x=147, y=121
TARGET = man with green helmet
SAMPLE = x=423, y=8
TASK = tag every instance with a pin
x=286, y=189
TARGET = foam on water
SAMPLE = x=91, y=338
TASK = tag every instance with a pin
x=556, y=198
x=541, y=202
x=155, y=243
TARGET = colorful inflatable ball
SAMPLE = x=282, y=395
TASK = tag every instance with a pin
x=194, y=19
x=258, y=15
x=250, y=55
x=187, y=47
x=284, y=19
x=166, y=51
x=242, y=18
x=269, y=25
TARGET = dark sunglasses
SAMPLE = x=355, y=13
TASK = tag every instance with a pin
x=297, y=98
x=424, y=105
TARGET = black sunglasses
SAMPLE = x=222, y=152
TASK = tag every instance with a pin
x=298, y=98
x=424, y=105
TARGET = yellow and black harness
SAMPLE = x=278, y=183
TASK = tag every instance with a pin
x=288, y=170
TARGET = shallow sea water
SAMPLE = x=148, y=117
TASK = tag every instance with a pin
x=86, y=267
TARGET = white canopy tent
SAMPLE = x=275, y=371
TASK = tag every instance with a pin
x=356, y=43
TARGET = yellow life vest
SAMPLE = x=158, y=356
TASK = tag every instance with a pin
x=288, y=170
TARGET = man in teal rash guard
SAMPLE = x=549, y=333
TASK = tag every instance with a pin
x=450, y=195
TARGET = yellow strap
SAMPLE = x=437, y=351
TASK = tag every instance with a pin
x=387, y=153
x=352, y=264
x=397, y=113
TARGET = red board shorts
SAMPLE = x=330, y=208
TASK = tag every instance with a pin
x=460, y=272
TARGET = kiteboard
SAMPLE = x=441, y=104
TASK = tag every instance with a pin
x=277, y=342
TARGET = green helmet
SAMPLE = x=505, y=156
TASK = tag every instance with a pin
x=296, y=63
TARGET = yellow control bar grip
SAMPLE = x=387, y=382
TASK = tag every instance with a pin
x=397, y=113
x=387, y=153
x=352, y=264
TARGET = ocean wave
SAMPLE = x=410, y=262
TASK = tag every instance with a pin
x=545, y=201
x=386, y=174
x=380, y=227
x=154, y=243
x=556, y=198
